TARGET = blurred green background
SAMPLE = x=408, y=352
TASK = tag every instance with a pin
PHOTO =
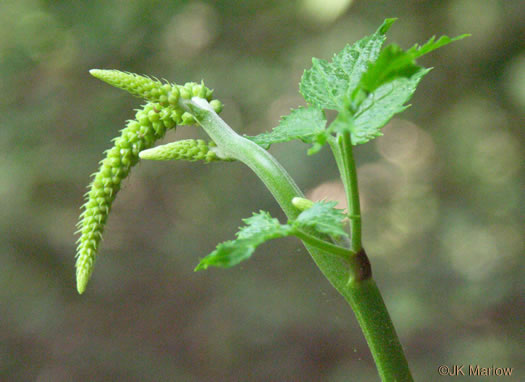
x=442, y=195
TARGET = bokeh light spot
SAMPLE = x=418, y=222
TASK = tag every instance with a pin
x=39, y=34
x=481, y=18
x=515, y=80
x=414, y=211
x=377, y=183
x=472, y=250
x=329, y=191
x=190, y=31
x=496, y=157
x=323, y=11
x=406, y=145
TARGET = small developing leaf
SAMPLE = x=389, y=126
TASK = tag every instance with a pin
x=304, y=123
x=385, y=88
x=432, y=44
x=262, y=226
x=327, y=84
x=324, y=85
x=227, y=254
x=321, y=217
x=377, y=109
x=380, y=106
x=371, y=84
x=259, y=228
x=394, y=62
x=355, y=59
x=324, y=218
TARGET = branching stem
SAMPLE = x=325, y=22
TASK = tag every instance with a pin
x=351, y=277
x=324, y=245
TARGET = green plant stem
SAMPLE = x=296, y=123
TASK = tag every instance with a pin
x=349, y=177
x=324, y=245
x=371, y=313
x=348, y=276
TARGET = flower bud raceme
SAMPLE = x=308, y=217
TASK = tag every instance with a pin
x=149, y=125
x=153, y=90
x=164, y=110
x=187, y=149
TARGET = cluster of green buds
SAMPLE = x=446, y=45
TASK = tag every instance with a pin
x=164, y=110
x=188, y=149
x=165, y=94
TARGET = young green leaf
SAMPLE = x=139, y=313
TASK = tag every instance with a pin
x=322, y=217
x=394, y=63
x=432, y=44
x=386, y=86
x=304, y=123
x=381, y=105
x=355, y=59
x=259, y=228
x=373, y=85
x=327, y=84
x=262, y=227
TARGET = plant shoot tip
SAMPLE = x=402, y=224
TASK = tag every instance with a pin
x=95, y=72
x=81, y=284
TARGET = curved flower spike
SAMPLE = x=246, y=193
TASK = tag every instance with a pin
x=140, y=86
x=150, y=124
x=187, y=149
x=153, y=90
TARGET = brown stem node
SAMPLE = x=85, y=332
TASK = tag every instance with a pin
x=363, y=266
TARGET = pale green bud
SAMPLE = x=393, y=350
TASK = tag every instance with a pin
x=187, y=149
x=302, y=204
x=216, y=105
x=185, y=93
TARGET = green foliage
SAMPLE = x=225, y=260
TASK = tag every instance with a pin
x=259, y=228
x=302, y=123
x=380, y=106
x=367, y=86
x=394, y=63
x=327, y=84
x=322, y=217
